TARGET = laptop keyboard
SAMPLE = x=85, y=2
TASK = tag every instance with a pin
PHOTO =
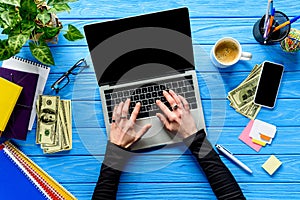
x=148, y=94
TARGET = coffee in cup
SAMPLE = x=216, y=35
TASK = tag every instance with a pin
x=228, y=51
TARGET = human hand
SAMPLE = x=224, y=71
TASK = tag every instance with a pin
x=180, y=120
x=122, y=132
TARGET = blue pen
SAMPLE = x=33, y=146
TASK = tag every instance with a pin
x=286, y=23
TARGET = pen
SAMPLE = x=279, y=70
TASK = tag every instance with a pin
x=286, y=23
x=267, y=13
x=268, y=32
x=271, y=21
x=233, y=158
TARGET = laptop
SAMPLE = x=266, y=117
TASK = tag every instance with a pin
x=139, y=57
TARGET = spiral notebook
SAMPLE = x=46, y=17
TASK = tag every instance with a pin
x=21, y=64
x=20, y=177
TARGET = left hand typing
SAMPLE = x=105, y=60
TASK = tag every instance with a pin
x=122, y=132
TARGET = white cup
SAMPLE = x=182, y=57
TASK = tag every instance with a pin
x=228, y=51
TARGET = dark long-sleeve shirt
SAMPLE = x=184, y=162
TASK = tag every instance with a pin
x=219, y=177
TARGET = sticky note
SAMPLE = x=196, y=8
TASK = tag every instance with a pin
x=271, y=165
x=260, y=127
x=246, y=139
x=258, y=142
x=264, y=137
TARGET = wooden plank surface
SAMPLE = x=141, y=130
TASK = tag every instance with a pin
x=179, y=176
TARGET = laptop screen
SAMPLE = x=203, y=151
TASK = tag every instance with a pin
x=141, y=47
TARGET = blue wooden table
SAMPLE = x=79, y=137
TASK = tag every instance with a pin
x=172, y=173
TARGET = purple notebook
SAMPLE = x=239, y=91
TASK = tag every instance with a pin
x=17, y=126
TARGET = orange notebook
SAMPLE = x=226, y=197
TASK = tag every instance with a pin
x=9, y=94
x=51, y=188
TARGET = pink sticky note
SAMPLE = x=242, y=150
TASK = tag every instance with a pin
x=246, y=139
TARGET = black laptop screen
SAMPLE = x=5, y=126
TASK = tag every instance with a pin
x=141, y=47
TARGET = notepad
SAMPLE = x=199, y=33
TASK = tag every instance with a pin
x=28, y=175
x=247, y=139
x=9, y=94
x=260, y=131
x=25, y=65
x=271, y=165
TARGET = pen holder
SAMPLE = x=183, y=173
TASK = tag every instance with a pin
x=277, y=36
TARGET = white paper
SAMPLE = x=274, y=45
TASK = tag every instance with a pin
x=261, y=127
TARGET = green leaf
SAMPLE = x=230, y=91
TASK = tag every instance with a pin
x=62, y=8
x=11, y=2
x=28, y=10
x=49, y=32
x=16, y=42
x=9, y=18
x=44, y=17
x=23, y=27
x=53, y=2
x=5, y=51
x=73, y=33
x=42, y=53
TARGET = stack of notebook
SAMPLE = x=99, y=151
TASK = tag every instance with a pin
x=9, y=93
x=31, y=77
x=23, y=179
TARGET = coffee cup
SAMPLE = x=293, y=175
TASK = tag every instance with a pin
x=227, y=51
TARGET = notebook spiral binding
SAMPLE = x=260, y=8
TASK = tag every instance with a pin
x=53, y=194
x=30, y=178
x=29, y=62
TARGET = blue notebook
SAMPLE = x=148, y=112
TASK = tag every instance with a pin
x=14, y=184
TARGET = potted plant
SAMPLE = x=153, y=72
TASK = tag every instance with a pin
x=34, y=21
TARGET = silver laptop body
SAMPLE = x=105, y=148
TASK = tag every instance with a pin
x=154, y=53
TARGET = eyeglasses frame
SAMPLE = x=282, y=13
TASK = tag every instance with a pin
x=66, y=75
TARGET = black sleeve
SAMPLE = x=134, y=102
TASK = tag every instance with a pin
x=219, y=177
x=111, y=169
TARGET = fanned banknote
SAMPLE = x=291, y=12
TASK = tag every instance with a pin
x=242, y=97
x=54, y=126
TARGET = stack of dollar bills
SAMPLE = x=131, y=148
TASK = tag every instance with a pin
x=242, y=97
x=54, y=124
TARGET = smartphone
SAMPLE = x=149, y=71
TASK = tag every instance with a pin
x=268, y=84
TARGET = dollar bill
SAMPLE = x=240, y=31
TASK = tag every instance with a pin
x=244, y=93
x=47, y=119
x=253, y=111
x=68, y=107
x=241, y=98
x=63, y=132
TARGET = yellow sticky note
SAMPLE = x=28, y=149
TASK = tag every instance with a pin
x=259, y=142
x=271, y=165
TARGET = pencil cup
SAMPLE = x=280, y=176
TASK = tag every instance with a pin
x=273, y=37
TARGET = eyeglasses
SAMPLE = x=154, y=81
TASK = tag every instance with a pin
x=64, y=80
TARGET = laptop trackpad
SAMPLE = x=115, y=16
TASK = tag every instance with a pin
x=157, y=135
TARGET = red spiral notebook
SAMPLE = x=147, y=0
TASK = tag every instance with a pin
x=21, y=177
